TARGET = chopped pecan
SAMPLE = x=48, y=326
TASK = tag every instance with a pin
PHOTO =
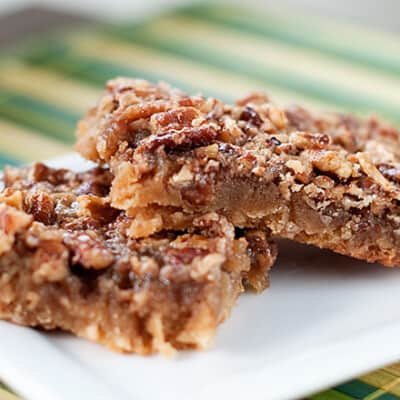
x=88, y=250
x=12, y=222
x=390, y=172
x=173, y=119
x=334, y=162
x=185, y=138
x=41, y=207
x=50, y=262
x=250, y=115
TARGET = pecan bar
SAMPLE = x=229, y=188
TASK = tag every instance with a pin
x=325, y=179
x=67, y=262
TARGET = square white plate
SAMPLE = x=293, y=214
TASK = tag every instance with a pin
x=325, y=319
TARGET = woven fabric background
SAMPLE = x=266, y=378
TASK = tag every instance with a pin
x=47, y=82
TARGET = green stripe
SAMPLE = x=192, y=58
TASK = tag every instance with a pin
x=32, y=113
x=6, y=159
x=298, y=35
x=81, y=68
x=199, y=52
x=388, y=396
x=97, y=72
x=330, y=395
x=357, y=389
x=37, y=106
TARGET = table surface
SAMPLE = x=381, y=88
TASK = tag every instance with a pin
x=219, y=51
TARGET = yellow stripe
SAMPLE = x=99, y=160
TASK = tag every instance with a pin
x=26, y=145
x=4, y=395
x=395, y=389
x=378, y=378
x=350, y=35
x=48, y=86
x=393, y=369
x=189, y=72
x=391, y=387
x=283, y=57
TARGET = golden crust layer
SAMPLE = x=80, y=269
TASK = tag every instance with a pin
x=328, y=180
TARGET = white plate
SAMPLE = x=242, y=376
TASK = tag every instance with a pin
x=325, y=319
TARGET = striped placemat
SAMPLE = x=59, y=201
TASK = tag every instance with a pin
x=47, y=82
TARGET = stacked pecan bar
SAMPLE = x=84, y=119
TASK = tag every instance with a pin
x=323, y=179
x=149, y=251
x=67, y=261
